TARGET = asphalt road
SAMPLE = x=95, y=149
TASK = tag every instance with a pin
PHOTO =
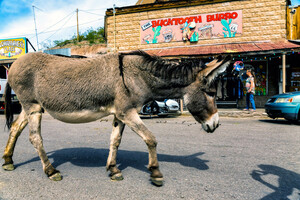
x=249, y=158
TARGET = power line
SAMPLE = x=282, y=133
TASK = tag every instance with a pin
x=57, y=22
x=32, y=35
x=94, y=9
x=92, y=13
x=60, y=28
x=66, y=28
x=68, y=17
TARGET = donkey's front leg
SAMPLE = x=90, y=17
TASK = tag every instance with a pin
x=132, y=119
x=115, y=140
x=35, y=138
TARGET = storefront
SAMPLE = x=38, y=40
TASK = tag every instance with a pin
x=253, y=32
x=10, y=50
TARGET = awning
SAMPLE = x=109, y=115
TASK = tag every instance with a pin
x=247, y=48
x=8, y=61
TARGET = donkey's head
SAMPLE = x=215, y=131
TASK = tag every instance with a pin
x=200, y=97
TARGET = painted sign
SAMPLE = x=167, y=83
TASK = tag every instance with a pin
x=192, y=28
x=12, y=48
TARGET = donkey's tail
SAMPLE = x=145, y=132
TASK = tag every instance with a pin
x=8, y=106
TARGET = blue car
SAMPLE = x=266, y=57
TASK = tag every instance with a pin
x=285, y=105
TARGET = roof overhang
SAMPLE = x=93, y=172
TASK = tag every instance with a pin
x=247, y=48
x=7, y=61
x=161, y=5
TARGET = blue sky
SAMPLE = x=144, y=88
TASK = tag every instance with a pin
x=55, y=19
x=295, y=2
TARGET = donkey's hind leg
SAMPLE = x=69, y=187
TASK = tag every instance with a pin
x=16, y=129
x=115, y=140
x=35, y=138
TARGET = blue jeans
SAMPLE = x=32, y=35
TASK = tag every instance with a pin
x=250, y=99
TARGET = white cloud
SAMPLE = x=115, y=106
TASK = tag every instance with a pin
x=55, y=10
x=14, y=6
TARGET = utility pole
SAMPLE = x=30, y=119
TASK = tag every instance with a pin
x=77, y=25
x=37, y=40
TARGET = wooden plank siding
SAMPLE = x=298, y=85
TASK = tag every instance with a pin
x=293, y=23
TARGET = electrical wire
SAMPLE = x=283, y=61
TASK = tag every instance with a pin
x=59, y=28
x=66, y=28
x=44, y=31
x=94, y=9
x=91, y=13
x=56, y=29
x=32, y=35
x=57, y=22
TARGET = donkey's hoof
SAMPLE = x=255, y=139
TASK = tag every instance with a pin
x=56, y=177
x=8, y=167
x=157, y=181
x=117, y=177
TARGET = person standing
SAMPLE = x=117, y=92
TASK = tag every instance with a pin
x=250, y=88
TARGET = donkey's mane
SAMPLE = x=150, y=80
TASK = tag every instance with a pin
x=179, y=72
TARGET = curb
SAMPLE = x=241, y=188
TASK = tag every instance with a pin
x=235, y=113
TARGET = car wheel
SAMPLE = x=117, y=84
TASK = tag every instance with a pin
x=147, y=109
x=154, y=108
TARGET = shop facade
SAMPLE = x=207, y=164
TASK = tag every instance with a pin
x=10, y=50
x=257, y=33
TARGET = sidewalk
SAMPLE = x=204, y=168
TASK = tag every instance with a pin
x=234, y=112
x=237, y=113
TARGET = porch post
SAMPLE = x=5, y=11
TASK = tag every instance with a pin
x=181, y=106
x=283, y=72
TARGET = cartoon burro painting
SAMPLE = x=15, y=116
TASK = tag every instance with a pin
x=192, y=28
x=189, y=32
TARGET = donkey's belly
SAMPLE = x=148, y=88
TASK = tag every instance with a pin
x=82, y=116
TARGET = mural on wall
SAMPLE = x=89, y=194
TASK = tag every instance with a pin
x=192, y=28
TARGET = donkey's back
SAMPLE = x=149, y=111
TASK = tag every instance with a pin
x=68, y=88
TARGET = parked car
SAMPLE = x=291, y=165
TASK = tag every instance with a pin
x=15, y=102
x=285, y=105
x=160, y=108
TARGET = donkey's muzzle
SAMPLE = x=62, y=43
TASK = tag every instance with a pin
x=211, y=124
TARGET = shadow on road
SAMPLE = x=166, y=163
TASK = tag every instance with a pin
x=90, y=157
x=288, y=182
x=279, y=121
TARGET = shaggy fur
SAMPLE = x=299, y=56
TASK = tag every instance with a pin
x=83, y=90
x=177, y=73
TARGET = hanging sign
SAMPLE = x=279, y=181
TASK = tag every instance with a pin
x=12, y=48
x=192, y=28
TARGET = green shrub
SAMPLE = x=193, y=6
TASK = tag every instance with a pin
x=92, y=36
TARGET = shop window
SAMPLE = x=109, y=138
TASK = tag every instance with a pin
x=2, y=72
x=260, y=69
x=295, y=81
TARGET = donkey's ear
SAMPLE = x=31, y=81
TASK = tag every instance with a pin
x=215, y=67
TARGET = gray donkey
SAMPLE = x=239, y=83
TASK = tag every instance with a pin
x=84, y=90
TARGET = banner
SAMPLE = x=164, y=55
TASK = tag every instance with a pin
x=192, y=28
x=12, y=48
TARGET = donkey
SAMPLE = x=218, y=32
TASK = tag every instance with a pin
x=84, y=90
